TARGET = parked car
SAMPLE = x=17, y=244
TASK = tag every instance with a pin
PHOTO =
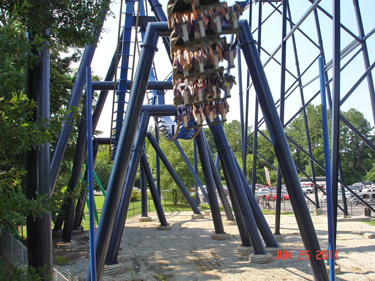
x=261, y=192
x=272, y=196
x=368, y=197
x=348, y=195
x=356, y=188
x=307, y=188
x=365, y=183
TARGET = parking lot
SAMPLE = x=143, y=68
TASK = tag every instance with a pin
x=286, y=206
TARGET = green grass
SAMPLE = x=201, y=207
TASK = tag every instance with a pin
x=135, y=208
x=372, y=222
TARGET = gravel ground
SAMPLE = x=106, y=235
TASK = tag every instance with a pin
x=187, y=252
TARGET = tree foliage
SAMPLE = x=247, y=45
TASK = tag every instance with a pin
x=70, y=24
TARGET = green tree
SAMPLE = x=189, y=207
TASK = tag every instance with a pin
x=168, y=186
x=357, y=158
x=70, y=24
x=103, y=166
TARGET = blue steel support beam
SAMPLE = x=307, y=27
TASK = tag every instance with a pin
x=219, y=186
x=143, y=182
x=82, y=199
x=154, y=193
x=157, y=160
x=244, y=234
x=335, y=115
x=196, y=171
x=238, y=192
x=240, y=95
x=75, y=97
x=152, y=85
x=90, y=174
x=282, y=109
x=328, y=169
x=281, y=148
x=39, y=234
x=122, y=210
x=208, y=178
x=255, y=137
x=160, y=16
x=173, y=174
x=126, y=138
x=192, y=171
x=261, y=222
x=80, y=151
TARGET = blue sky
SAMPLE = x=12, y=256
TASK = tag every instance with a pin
x=271, y=38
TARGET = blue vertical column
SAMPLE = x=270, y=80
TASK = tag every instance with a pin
x=39, y=234
x=282, y=151
x=143, y=183
x=157, y=160
x=327, y=169
x=335, y=116
x=282, y=108
x=90, y=175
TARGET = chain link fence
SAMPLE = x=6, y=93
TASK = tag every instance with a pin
x=16, y=253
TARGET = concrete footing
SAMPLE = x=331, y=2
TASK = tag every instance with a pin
x=337, y=269
x=273, y=250
x=197, y=216
x=113, y=269
x=278, y=237
x=164, y=227
x=244, y=251
x=207, y=213
x=232, y=222
x=66, y=245
x=144, y=219
x=318, y=212
x=220, y=236
x=260, y=258
x=368, y=234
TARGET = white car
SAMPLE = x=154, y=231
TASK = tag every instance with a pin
x=307, y=188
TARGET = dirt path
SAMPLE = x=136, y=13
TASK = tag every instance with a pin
x=187, y=252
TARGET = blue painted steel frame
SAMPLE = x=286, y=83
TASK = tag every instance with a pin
x=127, y=135
x=122, y=210
x=192, y=171
x=282, y=150
x=173, y=174
x=74, y=100
x=37, y=165
x=328, y=169
x=208, y=178
x=90, y=175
